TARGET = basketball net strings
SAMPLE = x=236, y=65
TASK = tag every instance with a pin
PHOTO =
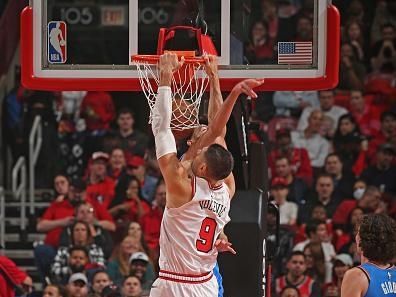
x=188, y=85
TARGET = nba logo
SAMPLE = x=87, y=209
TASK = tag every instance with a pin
x=57, y=42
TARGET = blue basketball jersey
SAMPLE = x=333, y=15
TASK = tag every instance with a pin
x=382, y=282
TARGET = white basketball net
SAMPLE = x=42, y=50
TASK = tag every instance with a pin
x=188, y=85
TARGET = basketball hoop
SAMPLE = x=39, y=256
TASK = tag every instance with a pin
x=188, y=85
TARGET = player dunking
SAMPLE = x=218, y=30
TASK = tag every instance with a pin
x=218, y=116
x=197, y=206
x=376, y=242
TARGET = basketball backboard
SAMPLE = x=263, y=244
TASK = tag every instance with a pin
x=87, y=45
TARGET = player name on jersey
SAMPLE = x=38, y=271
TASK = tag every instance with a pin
x=214, y=206
x=388, y=287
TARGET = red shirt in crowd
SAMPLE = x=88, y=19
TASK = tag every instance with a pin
x=101, y=193
x=305, y=287
x=343, y=211
x=299, y=161
x=151, y=225
x=369, y=121
x=132, y=214
x=10, y=275
x=60, y=210
x=97, y=109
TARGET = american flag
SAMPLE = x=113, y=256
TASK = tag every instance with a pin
x=295, y=52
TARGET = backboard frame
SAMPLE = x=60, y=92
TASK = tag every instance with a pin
x=34, y=77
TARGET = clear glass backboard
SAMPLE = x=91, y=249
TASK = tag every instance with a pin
x=87, y=45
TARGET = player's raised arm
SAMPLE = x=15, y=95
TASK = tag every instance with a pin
x=216, y=126
x=215, y=97
x=174, y=174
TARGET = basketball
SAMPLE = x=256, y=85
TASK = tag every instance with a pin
x=62, y=42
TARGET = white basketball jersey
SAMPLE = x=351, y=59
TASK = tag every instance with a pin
x=189, y=232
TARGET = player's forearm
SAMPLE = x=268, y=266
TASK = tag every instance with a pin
x=162, y=114
x=165, y=78
x=223, y=114
x=215, y=99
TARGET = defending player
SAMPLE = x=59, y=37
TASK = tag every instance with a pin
x=376, y=242
x=197, y=207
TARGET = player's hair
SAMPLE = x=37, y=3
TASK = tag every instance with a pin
x=79, y=249
x=219, y=161
x=378, y=238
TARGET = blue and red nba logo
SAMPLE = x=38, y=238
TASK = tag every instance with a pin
x=57, y=45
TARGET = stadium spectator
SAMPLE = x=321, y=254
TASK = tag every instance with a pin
x=77, y=261
x=287, y=210
x=97, y=109
x=290, y=291
x=317, y=232
x=387, y=133
x=384, y=15
x=100, y=187
x=342, y=177
x=133, y=207
x=102, y=238
x=342, y=263
x=331, y=113
x=81, y=237
x=77, y=285
x=310, y=139
x=315, y=261
x=260, y=49
x=298, y=157
x=354, y=36
x=290, y=103
x=369, y=202
x=348, y=143
x=100, y=280
x=117, y=164
x=13, y=281
x=352, y=71
x=366, y=115
x=297, y=187
x=131, y=287
x=296, y=277
x=140, y=266
x=54, y=290
x=137, y=167
x=151, y=222
x=384, y=50
x=346, y=233
x=118, y=266
x=127, y=137
x=383, y=173
x=304, y=29
x=61, y=185
x=323, y=195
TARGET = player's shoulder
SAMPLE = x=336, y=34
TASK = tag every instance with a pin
x=358, y=274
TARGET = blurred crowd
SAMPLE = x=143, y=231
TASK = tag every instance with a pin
x=331, y=159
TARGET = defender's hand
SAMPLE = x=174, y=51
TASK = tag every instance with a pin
x=246, y=86
x=170, y=62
